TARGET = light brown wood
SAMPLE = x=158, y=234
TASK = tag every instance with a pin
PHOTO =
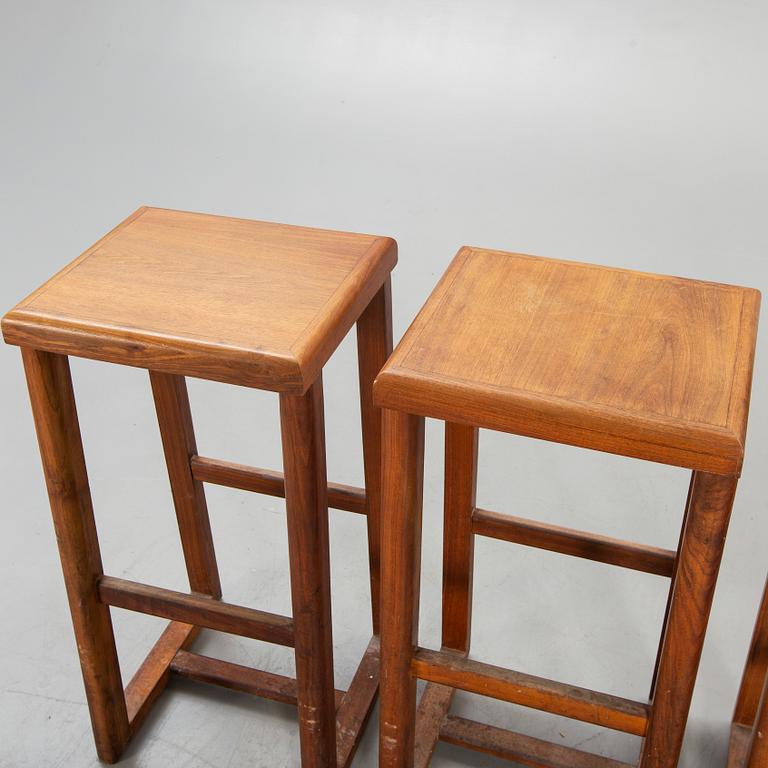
x=178, y=436
x=458, y=539
x=266, y=685
x=522, y=750
x=706, y=525
x=641, y=365
x=152, y=676
x=239, y=301
x=244, y=302
x=61, y=450
x=269, y=482
x=374, y=346
x=453, y=669
x=402, y=487
x=203, y=610
x=306, y=503
x=567, y=541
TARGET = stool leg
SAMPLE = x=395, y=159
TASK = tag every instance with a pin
x=756, y=669
x=758, y=754
x=671, y=589
x=61, y=449
x=175, y=420
x=402, y=485
x=374, y=346
x=698, y=562
x=458, y=539
x=303, y=433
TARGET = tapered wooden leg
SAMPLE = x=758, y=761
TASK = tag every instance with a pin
x=303, y=432
x=374, y=346
x=458, y=539
x=58, y=433
x=402, y=485
x=699, y=558
x=178, y=436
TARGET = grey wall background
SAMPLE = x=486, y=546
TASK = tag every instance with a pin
x=624, y=133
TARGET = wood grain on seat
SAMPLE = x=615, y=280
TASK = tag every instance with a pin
x=245, y=302
x=637, y=364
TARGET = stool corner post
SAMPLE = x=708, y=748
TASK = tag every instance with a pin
x=303, y=439
x=58, y=433
x=402, y=477
x=698, y=562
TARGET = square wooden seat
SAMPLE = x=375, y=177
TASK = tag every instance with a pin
x=243, y=302
x=637, y=364
x=646, y=366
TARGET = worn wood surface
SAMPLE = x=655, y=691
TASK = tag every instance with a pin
x=174, y=418
x=430, y=716
x=567, y=541
x=61, y=450
x=196, y=609
x=355, y=708
x=402, y=487
x=152, y=676
x=236, y=677
x=521, y=750
x=738, y=745
x=641, y=365
x=306, y=503
x=706, y=525
x=758, y=748
x=245, y=302
x=374, y=346
x=453, y=669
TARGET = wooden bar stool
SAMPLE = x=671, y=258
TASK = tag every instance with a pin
x=242, y=302
x=749, y=733
x=651, y=367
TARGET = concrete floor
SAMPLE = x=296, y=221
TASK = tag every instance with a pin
x=629, y=134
